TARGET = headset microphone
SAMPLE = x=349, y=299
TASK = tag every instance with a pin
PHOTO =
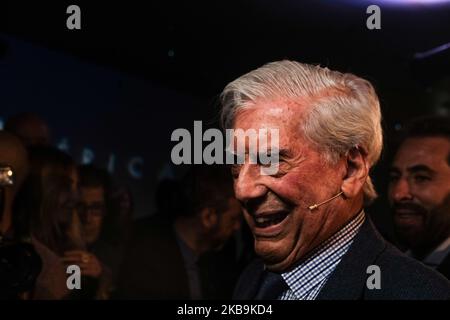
x=315, y=206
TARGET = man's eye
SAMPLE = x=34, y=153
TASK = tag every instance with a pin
x=393, y=177
x=274, y=170
x=266, y=159
x=421, y=178
x=280, y=173
x=267, y=165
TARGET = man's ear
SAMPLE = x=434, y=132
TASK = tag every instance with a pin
x=356, y=173
x=208, y=218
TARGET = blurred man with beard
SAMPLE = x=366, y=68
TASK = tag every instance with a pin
x=419, y=192
x=188, y=250
x=311, y=234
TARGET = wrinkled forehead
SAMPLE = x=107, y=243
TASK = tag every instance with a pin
x=282, y=116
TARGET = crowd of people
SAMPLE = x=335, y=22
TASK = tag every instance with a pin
x=311, y=231
x=76, y=215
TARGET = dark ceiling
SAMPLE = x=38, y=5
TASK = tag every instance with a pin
x=198, y=47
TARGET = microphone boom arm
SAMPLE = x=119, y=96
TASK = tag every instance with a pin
x=315, y=206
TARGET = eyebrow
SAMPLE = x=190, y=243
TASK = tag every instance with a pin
x=281, y=152
x=413, y=169
x=394, y=170
x=419, y=168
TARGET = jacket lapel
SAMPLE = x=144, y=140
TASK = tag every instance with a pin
x=248, y=286
x=348, y=281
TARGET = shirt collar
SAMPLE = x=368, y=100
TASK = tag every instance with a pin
x=438, y=255
x=317, y=266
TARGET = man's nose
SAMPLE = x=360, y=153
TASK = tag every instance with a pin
x=401, y=191
x=247, y=185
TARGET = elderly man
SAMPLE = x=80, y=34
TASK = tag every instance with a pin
x=419, y=192
x=310, y=230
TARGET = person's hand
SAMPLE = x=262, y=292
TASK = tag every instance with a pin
x=88, y=263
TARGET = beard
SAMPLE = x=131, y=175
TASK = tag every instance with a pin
x=426, y=228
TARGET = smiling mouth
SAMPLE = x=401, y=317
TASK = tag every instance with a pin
x=270, y=219
x=408, y=217
x=402, y=213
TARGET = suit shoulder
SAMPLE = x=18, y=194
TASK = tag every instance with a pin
x=405, y=278
x=248, y=280
x=252, y=270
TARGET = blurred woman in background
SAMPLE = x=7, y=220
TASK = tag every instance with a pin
x=46, y=216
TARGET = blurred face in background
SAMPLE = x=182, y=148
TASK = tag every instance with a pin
x=419, y=192
x=92, y=210
x=69, y=221
x=228, y=222
x=123, y=202
x=34, y=132
x=56, y=224
x=68, y=171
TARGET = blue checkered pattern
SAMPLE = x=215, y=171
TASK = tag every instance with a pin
x=309, y=277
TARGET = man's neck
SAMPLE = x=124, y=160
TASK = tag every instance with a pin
x=343, y=215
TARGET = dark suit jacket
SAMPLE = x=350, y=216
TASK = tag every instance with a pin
x=153, y=266
x=444, y=267
x=402, y=278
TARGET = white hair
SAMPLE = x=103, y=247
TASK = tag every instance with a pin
x=343, y=109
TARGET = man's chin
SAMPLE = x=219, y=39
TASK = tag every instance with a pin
x=274, y=254
x=409, y=237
